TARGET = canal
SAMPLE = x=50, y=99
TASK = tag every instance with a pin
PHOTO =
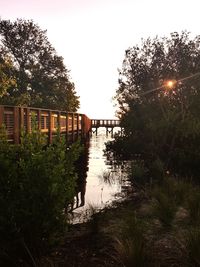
x=100, y=181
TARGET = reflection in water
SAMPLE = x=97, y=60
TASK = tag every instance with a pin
x=82, y=169
x=99, y=181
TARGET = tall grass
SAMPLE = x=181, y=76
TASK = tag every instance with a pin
x=193, y=246
x=169, y=195
x=163, y=208
x=130, y=245
x=193, y=204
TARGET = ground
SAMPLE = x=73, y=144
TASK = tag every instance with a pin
x=94, y=243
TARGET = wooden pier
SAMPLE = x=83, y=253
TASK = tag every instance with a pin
x=108, y=124
x=16, y=119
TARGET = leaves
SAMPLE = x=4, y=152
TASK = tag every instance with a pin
x=161, y=122
x=42, y=80
x=36, y=183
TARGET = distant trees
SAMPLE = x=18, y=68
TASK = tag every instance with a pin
x=161, y=122
x=41, y=78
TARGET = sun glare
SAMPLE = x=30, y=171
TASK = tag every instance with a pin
x=170, y=84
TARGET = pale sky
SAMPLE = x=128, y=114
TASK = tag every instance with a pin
x=92, y=35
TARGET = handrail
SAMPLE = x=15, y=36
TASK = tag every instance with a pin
x=16, y=118
x=105, y=123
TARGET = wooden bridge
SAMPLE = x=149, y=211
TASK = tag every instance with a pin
x=72, y=125
x=16, y=119
x=108, y=124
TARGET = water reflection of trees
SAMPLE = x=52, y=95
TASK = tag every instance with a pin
x=81, y=169
x=116, y=174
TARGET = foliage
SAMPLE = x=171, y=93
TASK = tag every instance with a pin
x=6, y=79
x=37, y=182
x=161, y=122
x=42, y=79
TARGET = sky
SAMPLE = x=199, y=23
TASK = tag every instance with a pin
x=92, y=36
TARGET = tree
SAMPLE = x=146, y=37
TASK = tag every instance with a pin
x=6, y=80
x=162, y=121
x=42, y=80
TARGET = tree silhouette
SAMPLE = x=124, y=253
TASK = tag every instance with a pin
x=42, y=80
x=161, y=119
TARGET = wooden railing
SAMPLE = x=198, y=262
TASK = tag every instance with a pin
x=16, y=119
x=108, y=124
x=105, y=123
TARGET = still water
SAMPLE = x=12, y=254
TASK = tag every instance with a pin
x=100, y=181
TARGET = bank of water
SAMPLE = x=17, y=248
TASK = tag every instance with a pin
x=100, y=182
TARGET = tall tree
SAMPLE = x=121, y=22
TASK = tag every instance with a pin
x=42, y=80
x=162, y=120
x=6, y=79
x=150, y=66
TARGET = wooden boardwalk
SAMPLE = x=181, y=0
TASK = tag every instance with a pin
x=16, y=119
x=108, y=124
x=72, y=125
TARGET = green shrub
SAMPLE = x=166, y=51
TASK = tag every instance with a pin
x=36, y=183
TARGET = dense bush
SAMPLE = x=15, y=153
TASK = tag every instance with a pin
x=36, y=183
x=161, y=122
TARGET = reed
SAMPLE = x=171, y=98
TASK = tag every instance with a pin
x=130, y=245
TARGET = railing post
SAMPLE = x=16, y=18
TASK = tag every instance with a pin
x=21, y=122
x=16, y=124
x=50, y=127
x=81, y=125
x=59, y=124
x=1, y=116
x=39, y=119
x=67, y=127
x=72, y=127
x=83, y=134
x=77, y=125
x=21, y=119
x=28, y=121
x=59, y=121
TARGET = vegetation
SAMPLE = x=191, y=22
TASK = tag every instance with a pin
x=158, y=99
x=37, y=182
x=41, y=78
x=6, y=80
x=159, y=102
x=160, y=118
x=138, y=231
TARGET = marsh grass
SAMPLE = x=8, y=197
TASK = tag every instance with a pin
x=108, y=178
x=171, y=194
x=193, y=204
x=193, y=246
x=130, y=245
x=163, y=207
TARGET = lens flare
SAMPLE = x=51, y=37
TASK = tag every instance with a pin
x=170, y=84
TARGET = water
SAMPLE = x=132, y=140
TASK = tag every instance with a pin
x=100, y=181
